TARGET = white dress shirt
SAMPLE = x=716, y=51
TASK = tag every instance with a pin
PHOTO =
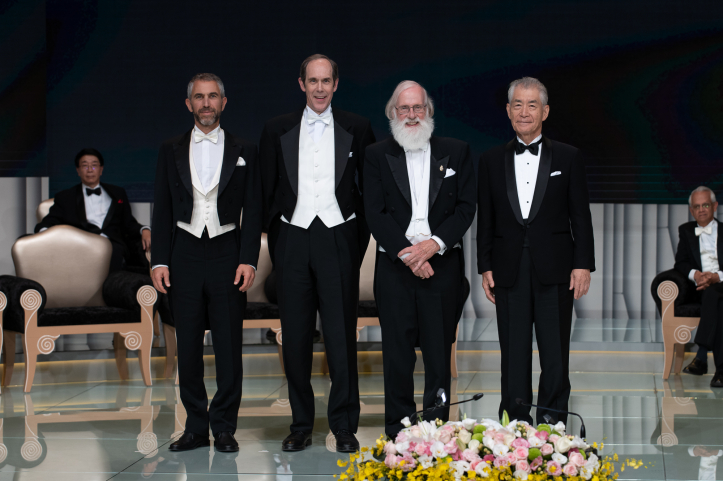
x=526, y=167
x=708, y=252
x=316, y=123
x=207, y=156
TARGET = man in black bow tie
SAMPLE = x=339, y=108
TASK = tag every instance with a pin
x=535, y=250
x=698, y=258
x=102, y=209
x=205, y=256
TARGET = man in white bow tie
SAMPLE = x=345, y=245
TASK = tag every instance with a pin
x=312, y=162
x=419, y=201
x=535, y=250
x=698, y=258
x=205, y=258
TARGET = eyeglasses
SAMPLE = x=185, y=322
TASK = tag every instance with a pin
x=404, y=109
x=701, y=206
x=89, y=167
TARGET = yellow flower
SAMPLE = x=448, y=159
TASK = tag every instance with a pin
x=342, y=464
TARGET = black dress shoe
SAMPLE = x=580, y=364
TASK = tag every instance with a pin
x=225, y=442
x=346, y=442
x=717, y=380
x=190, y=441
x=296, y=441
x=697, y=367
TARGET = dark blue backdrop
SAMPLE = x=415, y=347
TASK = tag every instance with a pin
x=637, y=85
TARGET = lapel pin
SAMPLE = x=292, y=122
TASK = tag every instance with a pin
x=441, y=168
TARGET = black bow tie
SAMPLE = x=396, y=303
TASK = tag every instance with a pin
x=534, y=148
x=90, y=192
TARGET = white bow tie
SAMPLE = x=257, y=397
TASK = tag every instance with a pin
x=322, y=118
x=198, y=136
x=707, y=229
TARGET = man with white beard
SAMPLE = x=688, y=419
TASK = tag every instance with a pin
x=419, y=200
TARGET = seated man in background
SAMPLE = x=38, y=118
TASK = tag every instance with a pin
x=101, y=209
x=698, y=258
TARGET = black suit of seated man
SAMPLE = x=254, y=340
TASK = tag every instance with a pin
x=698, y=258
x=100, y=208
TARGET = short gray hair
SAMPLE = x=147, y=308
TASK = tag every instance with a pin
x=702, y=188
x=406, y=84
x=528, y=83
x=206, y=77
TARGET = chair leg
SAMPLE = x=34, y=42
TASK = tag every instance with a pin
x=144, y=357
x=281, y=359
x=679, y=355
x=31, y=358
x=669, y=349
x=169, y=333
x=9, y=352
x=156, y=325
x=119, y=346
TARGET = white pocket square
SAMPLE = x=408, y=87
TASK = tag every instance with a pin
x=557, y=172
x=449, y=173
x=240, y=162
x=351, y=153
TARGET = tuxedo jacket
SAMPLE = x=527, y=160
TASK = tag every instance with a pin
x=559, y=225
x=687, y=257
x=119, y=225
x=239, y=189
x=279, y=154
x=387, y=195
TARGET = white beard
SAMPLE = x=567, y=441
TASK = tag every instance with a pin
x=412, y=138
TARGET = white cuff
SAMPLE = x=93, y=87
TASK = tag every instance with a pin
x=442, y=245
x=144, y=228
x=43, y=229
x=159, y=265
x=691, y=276
x=720, y=276
x=103, y=235
x=252, y=266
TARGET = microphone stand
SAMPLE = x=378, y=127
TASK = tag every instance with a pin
x=582, y=423
x=442, y=402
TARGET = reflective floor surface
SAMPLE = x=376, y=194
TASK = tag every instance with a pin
x=72, y=428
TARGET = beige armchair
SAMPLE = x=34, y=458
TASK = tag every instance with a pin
x=73, y=294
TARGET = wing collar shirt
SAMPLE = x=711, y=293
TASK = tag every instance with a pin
x=708, y=242
x=207, y=155
x=526, y=167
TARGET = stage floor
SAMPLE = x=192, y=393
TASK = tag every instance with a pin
x=76, y=426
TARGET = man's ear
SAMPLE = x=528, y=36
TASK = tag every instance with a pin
x=301, y=84
x=188, y=104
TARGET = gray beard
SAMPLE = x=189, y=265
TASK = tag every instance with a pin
x=412, y=139
x=208, y=121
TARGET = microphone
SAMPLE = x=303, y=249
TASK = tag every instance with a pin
x=441, y=402
x=582, y=423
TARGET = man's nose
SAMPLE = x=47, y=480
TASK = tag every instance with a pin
x=412, y=114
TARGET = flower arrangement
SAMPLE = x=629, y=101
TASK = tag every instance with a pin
x=466, y=450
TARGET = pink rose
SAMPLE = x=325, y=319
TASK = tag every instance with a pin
x=470, y=455
x=401, y=438
x=577, y=459
x=570, y=469
x=554, y=438
x=390, y=448
x=416, y=431
x=520, y=453
x=553, y=468
x=445, y=437
x=543, y=435
x=392, y=461
x=523, y=465
x=536, y=463
x=501, y=462
x=421, y=449
x=511, y=458
x=409, y=462
x=520, y=443
x=473, y=464
x=500, y=437
x=547, y=449
x=490, y=458
x=450, y=447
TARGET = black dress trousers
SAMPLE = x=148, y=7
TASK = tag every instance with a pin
x=710, y=328
x=549, y=307
x=318, y=268
x=202, y=274
x=411, y=311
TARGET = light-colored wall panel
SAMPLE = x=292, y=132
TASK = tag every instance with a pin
x=13, y=218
